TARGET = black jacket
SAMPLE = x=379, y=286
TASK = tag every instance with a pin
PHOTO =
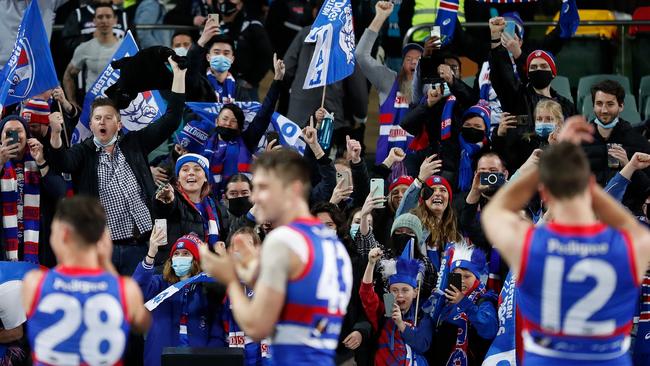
x=81, y=160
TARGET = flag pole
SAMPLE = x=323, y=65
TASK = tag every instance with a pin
x=322, y=101
x=417, y=302
x=65, y=133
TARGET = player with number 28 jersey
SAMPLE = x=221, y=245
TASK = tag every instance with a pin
x=79, y=318
x=583, y=306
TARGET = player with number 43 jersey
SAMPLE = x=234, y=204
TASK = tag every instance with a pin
x=579, y=274
x=80, y=312
x=304, y=278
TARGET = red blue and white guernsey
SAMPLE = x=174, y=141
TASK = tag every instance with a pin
x=78, y=317
x=308, y=330
x=578, y=289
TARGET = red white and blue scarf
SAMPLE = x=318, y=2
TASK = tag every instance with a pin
x=31, y=209
x=210, y=218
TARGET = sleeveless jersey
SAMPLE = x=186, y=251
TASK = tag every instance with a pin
x=391, y=134
x=78, y=317
x=308, y=330
x=578, y=290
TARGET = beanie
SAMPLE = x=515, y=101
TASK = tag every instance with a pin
x=480, y=110
x=410, y=221
x=194, y=158
x=193, y=136
x=470, y=258
x=411, y=46
x=401, y=180
x=189, y=242
x=36, y=111
x=437, y=180
x=547, y=56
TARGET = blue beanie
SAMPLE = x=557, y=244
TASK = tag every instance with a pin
x=194, y=158
x=470, y=258
x=479, y=110
x=194, y=135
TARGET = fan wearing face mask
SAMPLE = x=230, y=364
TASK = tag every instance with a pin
x=236, y=199
x=189, y=318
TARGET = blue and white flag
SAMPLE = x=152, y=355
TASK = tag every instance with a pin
x=569, y=19
x=446, y=20
x=171, y=290
x=333, y=33
x=30, y=69
x=502, y=352
x=288, y=131
x=144, y=109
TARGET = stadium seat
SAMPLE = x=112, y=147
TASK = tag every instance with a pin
x=585, y=56
x=644, y=92
x=561, y=85
x=585, y=84
x=630, y=112
x=469, y=80
x=602, y=31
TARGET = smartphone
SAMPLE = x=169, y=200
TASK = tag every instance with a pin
x=272, y=135
x=492, y=179
x=214, y=17
x=612, y=162
x=12, y=135
x=522, y=120
x=344, y=176
x=161, y=224
x=377, y=188
x=389, y=301
x=510, y=28
x=455, y=279
x=435, y=32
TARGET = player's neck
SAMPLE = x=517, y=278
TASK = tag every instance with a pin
x=298, y=210
x=576, y=211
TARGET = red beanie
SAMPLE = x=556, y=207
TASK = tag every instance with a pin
x=437, y=180
x=189, y=242
x=547, y=56
x=36, y=111
x=401, y=180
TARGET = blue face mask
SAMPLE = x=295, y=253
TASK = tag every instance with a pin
x=100, y=145
x=354, y=229
x=181, y=265
x=608, y=126
x=543, y=129
x=220, y=63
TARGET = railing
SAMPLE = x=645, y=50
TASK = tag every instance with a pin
x=59, y=27
x=622, y=24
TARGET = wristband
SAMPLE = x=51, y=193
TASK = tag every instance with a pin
x=148, y=256
x=495, y=41
x=45, y=164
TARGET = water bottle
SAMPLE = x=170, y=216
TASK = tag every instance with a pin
x=325, y=131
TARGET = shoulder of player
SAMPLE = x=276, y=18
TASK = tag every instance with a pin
x=31, y=281
x=286, y=237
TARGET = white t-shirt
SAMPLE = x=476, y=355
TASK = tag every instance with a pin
x=95, y=56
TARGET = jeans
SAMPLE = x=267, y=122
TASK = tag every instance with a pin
x=127, y=256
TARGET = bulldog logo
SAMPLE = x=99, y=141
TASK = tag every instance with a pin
x=21, y=69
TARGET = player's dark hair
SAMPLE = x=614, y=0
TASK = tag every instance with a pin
x=564, y=170
x=86, y=216
x=287, y=165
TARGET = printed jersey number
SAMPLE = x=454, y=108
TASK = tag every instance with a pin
x=102, y=342
x=576, y=321
x=335, y=282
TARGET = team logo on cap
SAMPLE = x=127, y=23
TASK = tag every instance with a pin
x=21, y=69
x=180, y=245
x=437, y=180
x=184, y=142
x=538, y=53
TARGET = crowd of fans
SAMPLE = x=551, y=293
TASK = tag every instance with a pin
x=444, y=149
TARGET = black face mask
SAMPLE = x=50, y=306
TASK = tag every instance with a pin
x=227, y=8
x=227, y=134
x=400, y=241
x=540, y=79
x=472, y=135
x=239, y=206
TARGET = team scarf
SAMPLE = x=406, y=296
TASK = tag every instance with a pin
x=467, y=153
x=31, y=209
x=569, y=19
x=447, y=114
x=446, y=19
x=227, y=158
x=225, y=91
x=436, y=302
x=494, y=276
x=642, y=342
x=503, y=348
x=210, y=220
x=453, y=315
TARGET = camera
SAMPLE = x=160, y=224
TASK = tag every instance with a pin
x=493, y=179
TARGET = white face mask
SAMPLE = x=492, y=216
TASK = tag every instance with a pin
x=181, y=51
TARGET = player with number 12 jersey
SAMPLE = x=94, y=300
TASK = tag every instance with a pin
x=578, y=275
x=80, y=312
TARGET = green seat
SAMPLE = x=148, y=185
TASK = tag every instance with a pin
x=583, y=56
x=630, y=112
x=639, y=47
x=646, y=109
x=561, y=85
x=644, y=93
x=585, y=84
